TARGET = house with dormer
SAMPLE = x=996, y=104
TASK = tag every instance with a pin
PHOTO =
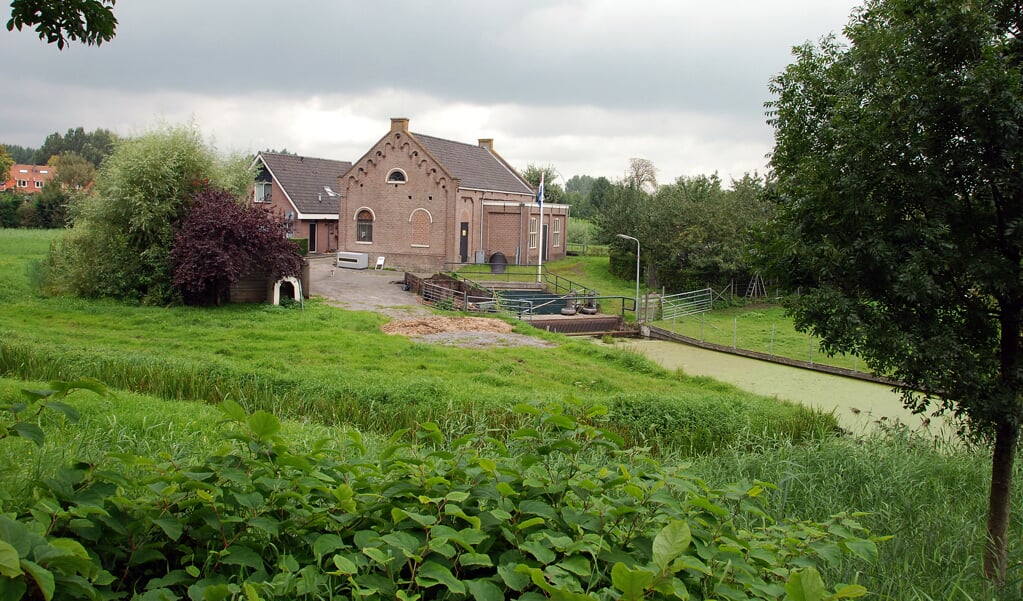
x=303, y=191
x=427, y=204
x=28, y=179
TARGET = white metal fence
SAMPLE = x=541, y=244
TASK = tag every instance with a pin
x=687, y=303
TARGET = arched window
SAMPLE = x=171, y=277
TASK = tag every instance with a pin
x=396, y=176
x=364, y=226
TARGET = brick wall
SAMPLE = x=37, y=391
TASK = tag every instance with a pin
x=411, y=227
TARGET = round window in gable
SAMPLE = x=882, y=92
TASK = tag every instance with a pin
x=397, y=176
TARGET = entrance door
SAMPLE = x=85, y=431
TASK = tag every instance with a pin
x=312, y=237
x=463, y=242
x=543, y=241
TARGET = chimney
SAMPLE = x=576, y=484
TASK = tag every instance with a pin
x=487, y=143
x=399, y=124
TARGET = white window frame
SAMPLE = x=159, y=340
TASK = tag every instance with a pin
x=532, y=232
x=22, y=183
x=39, y=184
x=392, y=172
x=264, y=195
x=556, y=237
x=364, y=225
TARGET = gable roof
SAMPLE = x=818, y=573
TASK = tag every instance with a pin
x=477, y=167
x=303, y=180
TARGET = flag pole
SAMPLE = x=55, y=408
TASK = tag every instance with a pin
x=539, y=263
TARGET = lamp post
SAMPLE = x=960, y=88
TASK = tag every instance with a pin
x=624, y=237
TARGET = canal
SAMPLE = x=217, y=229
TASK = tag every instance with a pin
x=859, y=405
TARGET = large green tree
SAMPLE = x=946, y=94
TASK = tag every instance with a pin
x=552, y=191
x=898, y=160
x=123, y=232
x=5, y=164
x=62, y=21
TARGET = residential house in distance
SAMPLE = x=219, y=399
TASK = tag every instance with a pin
x=425, y=203
x=28, y=179
x=303, y=191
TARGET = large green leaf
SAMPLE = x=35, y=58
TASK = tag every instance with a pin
x=12, y=590
x=66, y=410
x=485, y=590
x=805, y=585
x=264, y=424
x=632, y=582
x=431, y=573
x=863, y=548
x=345, y=566
x=670, y=542
x=42, y=576
x=10, y=563
x=29, y=431
x=327, y=543
x=171, y=526
x=240, y=555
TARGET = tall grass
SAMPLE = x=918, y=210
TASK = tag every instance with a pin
x=930, y=494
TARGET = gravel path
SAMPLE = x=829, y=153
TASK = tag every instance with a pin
x=383, y=292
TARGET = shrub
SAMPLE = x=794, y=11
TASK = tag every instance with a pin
x=560, y=511
x=123, y=232
x=219, y=240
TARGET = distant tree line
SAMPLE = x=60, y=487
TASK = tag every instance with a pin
x=693, y=232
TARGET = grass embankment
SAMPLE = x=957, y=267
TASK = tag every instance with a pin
x=338, y=367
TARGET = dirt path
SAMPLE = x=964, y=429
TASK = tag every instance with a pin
x=383, y=291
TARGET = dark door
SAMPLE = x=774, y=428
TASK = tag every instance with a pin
x=543, y=242
x=463, y=242
x=312, y=237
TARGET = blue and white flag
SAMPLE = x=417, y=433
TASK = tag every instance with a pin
x=539, y=192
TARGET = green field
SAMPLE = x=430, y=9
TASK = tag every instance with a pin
x=327, y=371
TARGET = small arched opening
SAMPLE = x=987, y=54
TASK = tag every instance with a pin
x=287, y=287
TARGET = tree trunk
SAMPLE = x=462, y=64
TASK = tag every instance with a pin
x=997, y=550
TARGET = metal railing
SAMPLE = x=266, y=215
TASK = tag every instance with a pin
x=444, y=298
x=480, y=274
x=687, y=303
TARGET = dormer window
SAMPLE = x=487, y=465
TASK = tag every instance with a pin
x=264, y=192
x=396, y=176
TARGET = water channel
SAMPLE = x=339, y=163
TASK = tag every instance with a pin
x=859, y=405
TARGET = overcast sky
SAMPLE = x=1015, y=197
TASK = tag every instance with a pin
x=582, y=85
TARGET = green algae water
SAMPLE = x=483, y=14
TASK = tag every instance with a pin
x=858, y=405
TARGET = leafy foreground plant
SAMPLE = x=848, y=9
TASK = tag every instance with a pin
x=560, y=511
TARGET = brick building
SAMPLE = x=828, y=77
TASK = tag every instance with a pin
x=302, y=190
x=425, y=203
x=28, y=179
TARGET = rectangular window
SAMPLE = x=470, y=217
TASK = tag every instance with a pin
x=39, y=184
x=264, y=192
x=22, y=183
x=557, y=232
x=532, y=232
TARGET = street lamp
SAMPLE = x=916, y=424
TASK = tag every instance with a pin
x=624, y=237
